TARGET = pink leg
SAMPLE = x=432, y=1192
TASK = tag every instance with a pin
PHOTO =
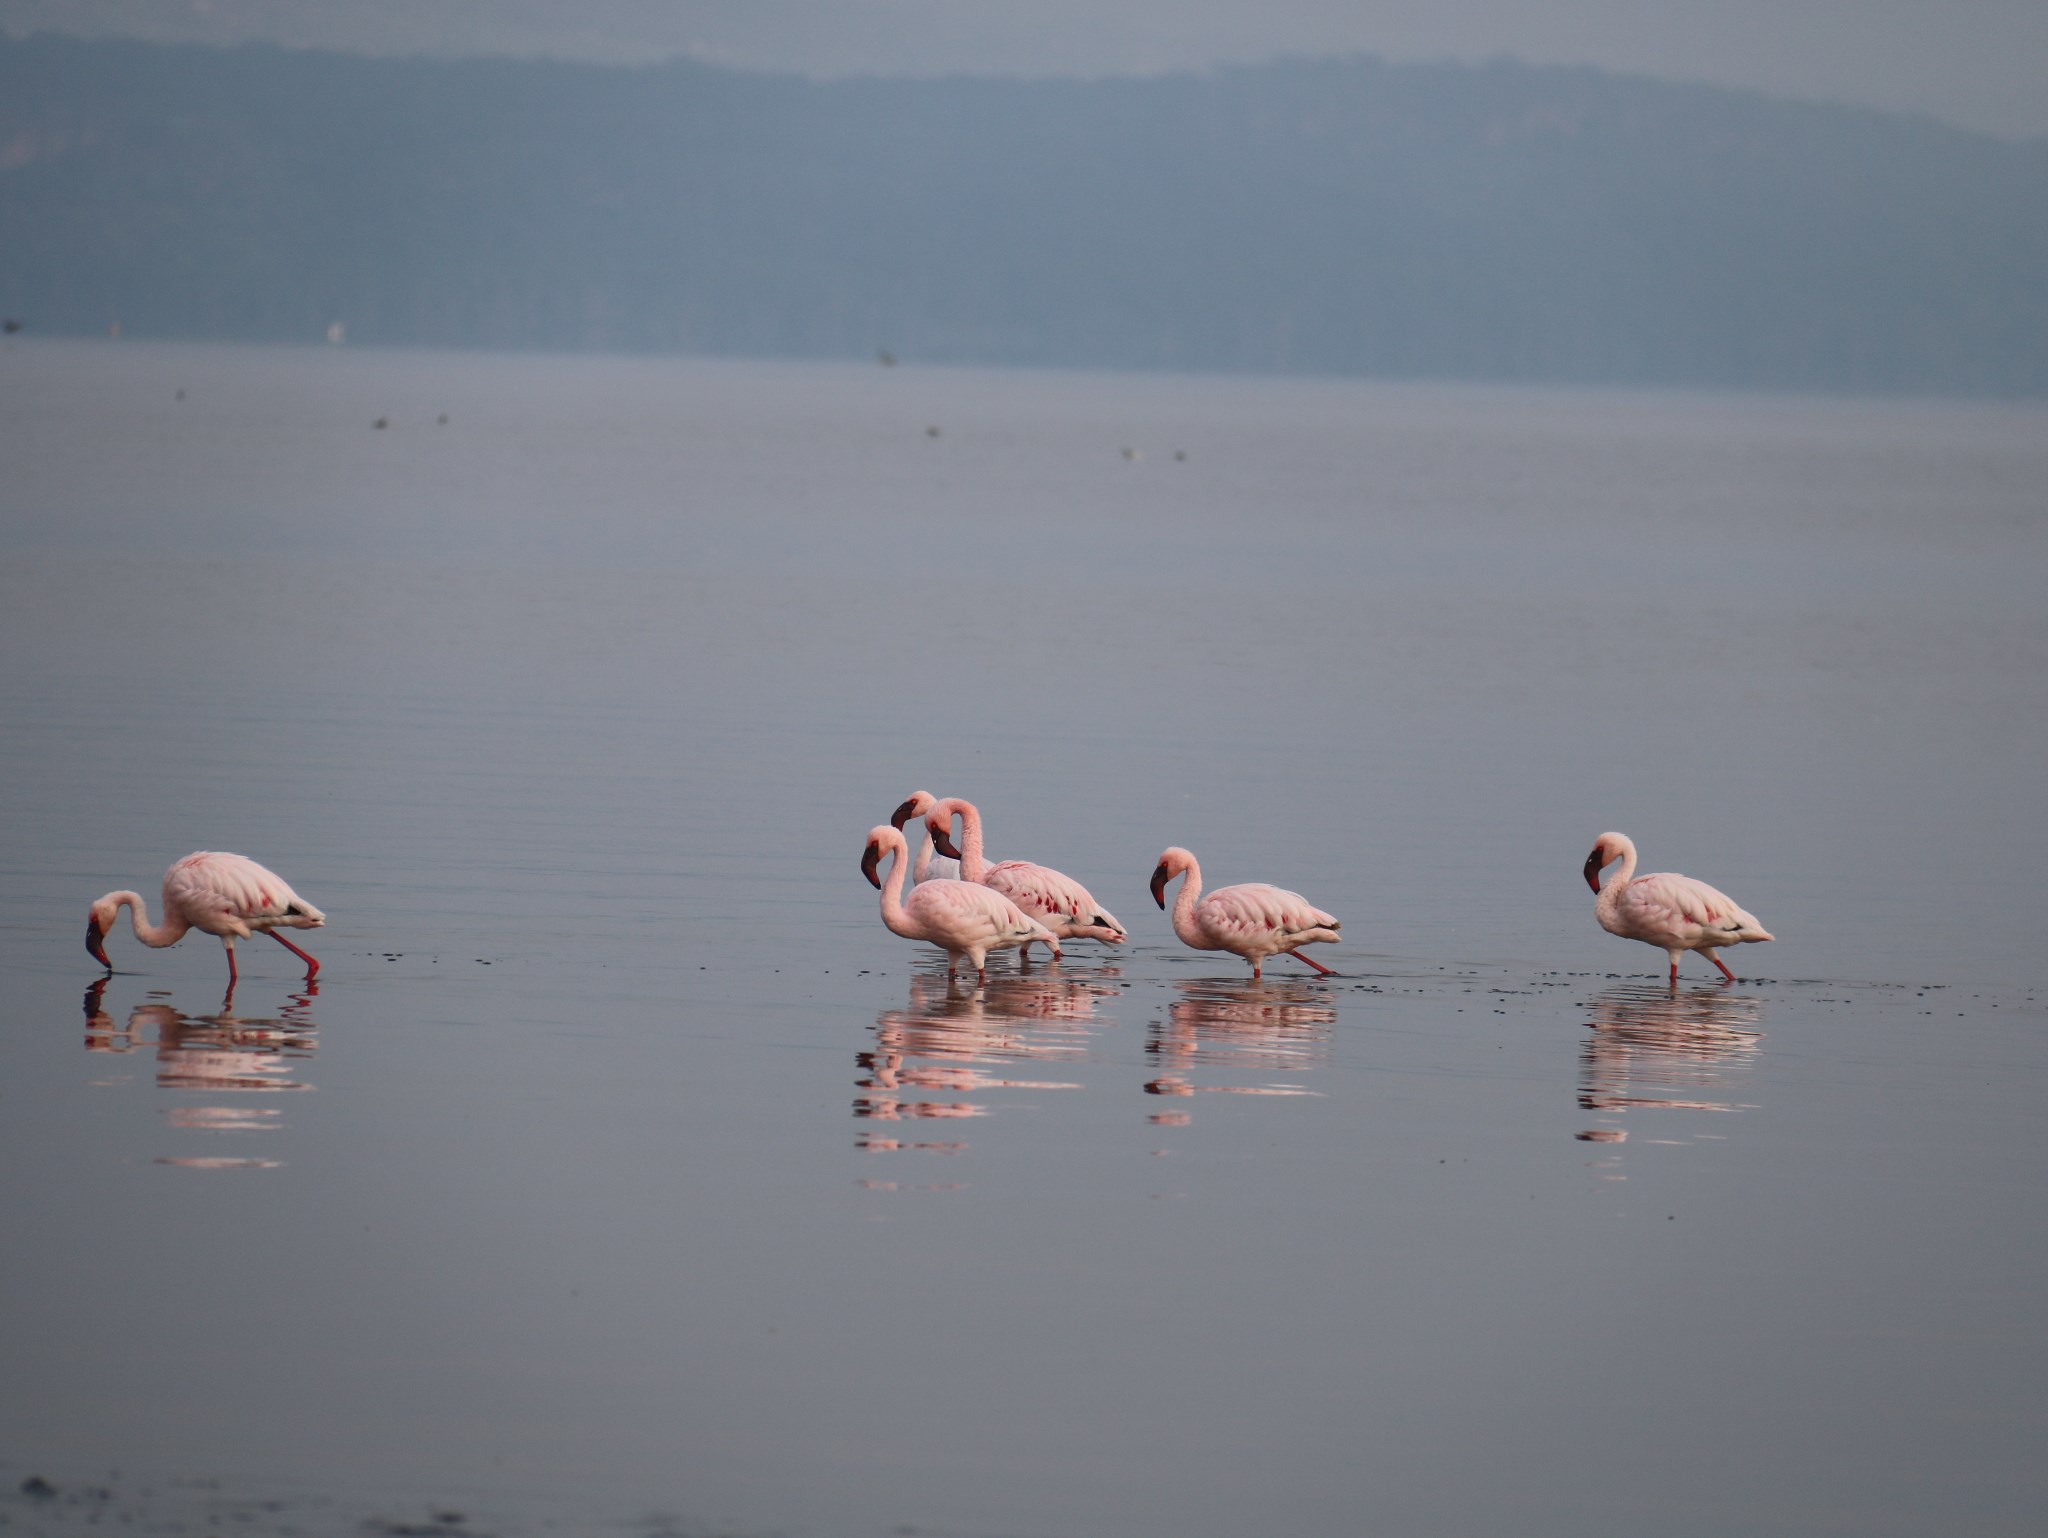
x=233, y=971
x=312, y=966
x=1674, y=972
x=1717, y=961
x=1297, y=955
x=1255, y=971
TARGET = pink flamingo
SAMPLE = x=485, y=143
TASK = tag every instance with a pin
x=1254, y=920
x=960, y=917
x=945, y=868
x=1057, y=901
x=1673, y=912
x=218, y=894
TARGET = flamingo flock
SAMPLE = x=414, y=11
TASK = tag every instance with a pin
x=955, y=899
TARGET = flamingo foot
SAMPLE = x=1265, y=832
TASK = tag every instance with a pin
x=1297, y=955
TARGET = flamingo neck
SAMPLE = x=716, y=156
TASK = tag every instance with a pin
x=1184, y=925
x=972, y=866
x=1611, y=889
x=170, y=932
x=894, y=915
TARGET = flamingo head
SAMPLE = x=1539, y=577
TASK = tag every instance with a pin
x=940, y=827
x=1171, y=864
x=1607, y=848
x=915, y=805
x=97, y=923
x=881, y=842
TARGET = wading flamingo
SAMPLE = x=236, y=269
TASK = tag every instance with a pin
x=960, y=917
x=1674, y=913
x=1254, y=920
x=1057, y=901
x=218, y=894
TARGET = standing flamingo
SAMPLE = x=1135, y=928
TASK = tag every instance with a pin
x=1254, y=920
x=218, y=894
x=1057, y=901
x=1673, y=912
x=962, y=918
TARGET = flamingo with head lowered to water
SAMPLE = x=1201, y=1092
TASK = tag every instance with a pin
x=227, y=895
x=1675, y=913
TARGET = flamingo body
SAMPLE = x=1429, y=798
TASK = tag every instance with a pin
x=1253, y=920
x=228, y=895
x=1056, y=900
x=1672, y=912
x=962, y=918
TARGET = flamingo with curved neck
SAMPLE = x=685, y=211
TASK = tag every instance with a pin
x=1253, y=920
x=928, y=868
x=228, y=895
x=962, y=918
x=1672, y=912
x=1056, y=900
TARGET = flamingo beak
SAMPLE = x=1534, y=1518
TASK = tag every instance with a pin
x=942, y=840
x=1159, y=880
x=1592, y=872
x=903, y=814
x=93, y=936
x=869, y=863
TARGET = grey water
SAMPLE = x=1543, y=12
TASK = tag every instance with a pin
x=620, y=1171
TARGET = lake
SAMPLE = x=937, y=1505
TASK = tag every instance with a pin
x=621, y=1172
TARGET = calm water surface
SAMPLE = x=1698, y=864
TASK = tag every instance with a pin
x=622, y=1172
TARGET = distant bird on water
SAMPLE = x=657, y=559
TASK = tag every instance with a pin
x=218, y=894
x=962, y=918
x=1253, y=920
x=1674, y=913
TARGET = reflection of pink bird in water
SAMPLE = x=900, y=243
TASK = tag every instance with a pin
x=1253, y=920
x=1674, y=913
x=218, y=894
x=960, y=917
x=1057, y=901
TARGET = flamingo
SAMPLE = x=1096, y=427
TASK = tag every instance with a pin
x=962, y=918
x=1254, y=920
x=1675, y=913
x=1057, y=901
x=944, y=868
x=219, y=894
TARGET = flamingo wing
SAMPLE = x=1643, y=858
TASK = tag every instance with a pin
x=1055, y=899
x=964, y=914
x=1675, y=908
x=1255, y=910
x=212, y=887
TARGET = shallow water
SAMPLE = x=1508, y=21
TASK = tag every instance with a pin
x=620, y=1163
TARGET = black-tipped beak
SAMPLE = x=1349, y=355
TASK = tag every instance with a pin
x=903, y=814
x=1159, y=880
x=869, y=863
x=943, y=842
x=1593, y=864
x=92, y=943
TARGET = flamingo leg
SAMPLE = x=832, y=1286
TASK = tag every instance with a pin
x=1674, y=971
x=1255, y=971
x=1297, y=955
x=233, y=972
x=1717, y=961
x=312, y=966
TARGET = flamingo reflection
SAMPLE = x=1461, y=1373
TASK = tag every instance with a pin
x=212, y=1054
x=954, y=1041
x=1277, y=1026
x=1654, y=1049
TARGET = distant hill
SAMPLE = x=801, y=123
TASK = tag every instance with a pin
x=1438, y=221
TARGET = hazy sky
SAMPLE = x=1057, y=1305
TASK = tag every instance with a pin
x=1980, y=63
